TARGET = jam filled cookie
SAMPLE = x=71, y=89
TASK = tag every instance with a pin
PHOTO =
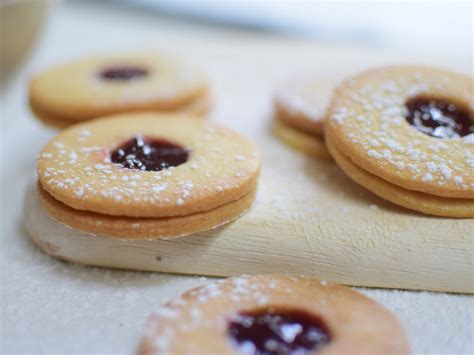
x=300, y=114
x=147, y=175
x=273, y=315
x=407, y=134
x=103, y=85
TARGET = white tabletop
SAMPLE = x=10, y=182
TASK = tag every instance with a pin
x=49, y=306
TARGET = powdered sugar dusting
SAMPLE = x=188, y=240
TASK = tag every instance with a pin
x=78, y=166
x=306, y=97
x=469, y=139
x=174, y=319
x=372, y=117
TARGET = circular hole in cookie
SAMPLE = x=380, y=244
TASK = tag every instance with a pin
x=123, y=73
x=150, y=154
x=269, y=331
x=438, y=117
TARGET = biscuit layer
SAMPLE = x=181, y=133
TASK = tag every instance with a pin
x=144, y=228
x=308, y=144
x=414, y=200
x=75, y=167
x=199, y=108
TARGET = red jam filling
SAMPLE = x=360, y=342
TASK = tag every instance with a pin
x=439, y=118
x=149, y=154
x=265, y=332
x=123, y=73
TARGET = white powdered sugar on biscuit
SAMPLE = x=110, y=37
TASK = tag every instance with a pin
x=368, y=116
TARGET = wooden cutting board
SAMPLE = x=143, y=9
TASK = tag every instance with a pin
x=309, y=218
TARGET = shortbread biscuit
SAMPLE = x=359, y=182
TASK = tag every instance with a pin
x=144, y=227
x=198, y=108
x=414, y=200
x=300, y=112
x=299, y=140
x=302, y=103
x=110, y=84
x=367, y=122
x=147, y=165
x=273, y=314
x=412, y=127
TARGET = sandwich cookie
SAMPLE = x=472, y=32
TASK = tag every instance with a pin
x=407, y=134
x=300, y=114
x=111, y=84
x=273, y=314
x=147, y=175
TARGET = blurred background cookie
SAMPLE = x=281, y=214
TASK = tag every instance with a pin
x=300, y=112
x=118, y=83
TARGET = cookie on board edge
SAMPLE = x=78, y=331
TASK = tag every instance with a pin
x=147, y=175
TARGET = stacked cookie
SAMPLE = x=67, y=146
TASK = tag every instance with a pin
x=300, y=111
x=109, y=84
x=407, y=134
x=147, y=175
x=404, y=133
